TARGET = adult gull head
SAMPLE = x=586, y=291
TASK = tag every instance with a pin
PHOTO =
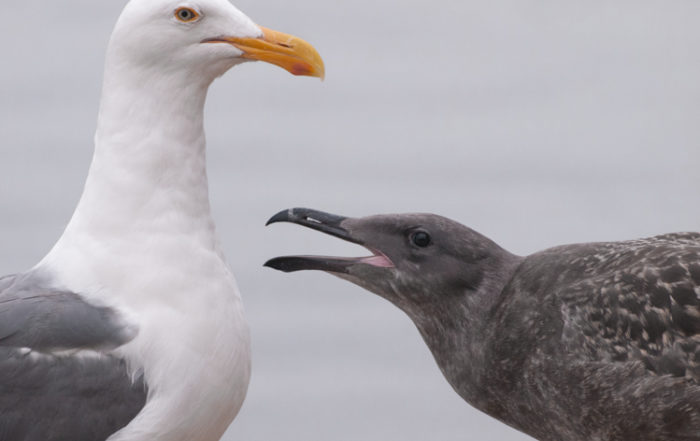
x=193, y=42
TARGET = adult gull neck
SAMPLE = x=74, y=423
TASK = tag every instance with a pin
x=149, y=165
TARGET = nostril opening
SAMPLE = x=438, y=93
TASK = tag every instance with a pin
x=285, y=45
x=311, y=219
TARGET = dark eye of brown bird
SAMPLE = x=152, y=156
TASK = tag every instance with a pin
x=421, y=239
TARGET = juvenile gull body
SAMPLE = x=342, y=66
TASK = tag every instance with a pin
x=132, y=327
x=597, y=341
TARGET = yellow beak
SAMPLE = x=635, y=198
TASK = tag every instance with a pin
x=286, y=51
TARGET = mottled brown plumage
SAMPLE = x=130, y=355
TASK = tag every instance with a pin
x=586, y=342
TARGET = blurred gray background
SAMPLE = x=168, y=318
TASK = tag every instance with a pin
x=536, y=123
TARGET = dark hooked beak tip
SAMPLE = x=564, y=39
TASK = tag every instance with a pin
x=316, y=220
x=282, y=216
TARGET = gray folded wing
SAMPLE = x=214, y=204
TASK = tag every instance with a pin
x=36, y=316
x=57, y=382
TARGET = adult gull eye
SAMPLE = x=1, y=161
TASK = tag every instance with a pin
x=420, y=239
x=186, y=15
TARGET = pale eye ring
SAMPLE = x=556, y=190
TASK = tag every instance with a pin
x=186, y=15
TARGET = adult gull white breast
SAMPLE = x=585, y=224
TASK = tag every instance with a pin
x=132, y=327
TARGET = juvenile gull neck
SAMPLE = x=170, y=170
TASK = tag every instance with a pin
x=456, y=328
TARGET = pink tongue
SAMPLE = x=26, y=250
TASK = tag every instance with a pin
x=379, y=261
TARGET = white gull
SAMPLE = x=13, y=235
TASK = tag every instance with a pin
x=132, y=327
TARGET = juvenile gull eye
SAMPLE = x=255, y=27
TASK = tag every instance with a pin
x=420, y=239
x=186, y=15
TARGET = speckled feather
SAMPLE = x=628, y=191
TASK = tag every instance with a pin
x=600, y=342
x=645, y=307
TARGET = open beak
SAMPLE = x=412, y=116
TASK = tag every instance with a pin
x=329, y=224
x=286, y=51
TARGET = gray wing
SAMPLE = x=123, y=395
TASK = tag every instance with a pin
x=42, y=318
x=642, y=303
x=56, y=381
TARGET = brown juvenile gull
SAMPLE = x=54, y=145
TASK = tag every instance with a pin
x=595, y=341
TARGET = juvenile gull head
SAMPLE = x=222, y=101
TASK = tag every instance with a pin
x=417, y=259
